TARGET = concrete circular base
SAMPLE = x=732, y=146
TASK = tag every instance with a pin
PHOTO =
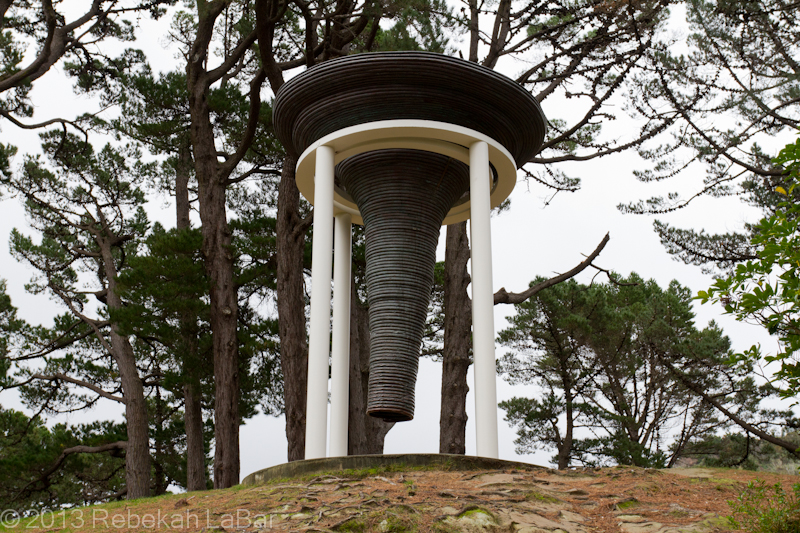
x=361, y=462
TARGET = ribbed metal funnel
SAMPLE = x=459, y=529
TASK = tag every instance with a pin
x=403, y=196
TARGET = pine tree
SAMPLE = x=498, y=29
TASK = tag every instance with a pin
x=605, y=357
x=89, y=213
x=736, y=87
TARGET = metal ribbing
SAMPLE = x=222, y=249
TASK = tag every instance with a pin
x=364, y=88
x=403, y=196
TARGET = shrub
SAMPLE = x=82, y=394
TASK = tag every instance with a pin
x=764, y=509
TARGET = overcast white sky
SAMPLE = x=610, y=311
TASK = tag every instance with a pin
x=528, y=240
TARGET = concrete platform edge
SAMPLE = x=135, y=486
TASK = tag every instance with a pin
x=362, y=462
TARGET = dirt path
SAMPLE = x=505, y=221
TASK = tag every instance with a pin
x=609, y=500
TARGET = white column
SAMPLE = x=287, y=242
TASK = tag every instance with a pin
x=482, y=300
x=340, y=345
x=319, y=335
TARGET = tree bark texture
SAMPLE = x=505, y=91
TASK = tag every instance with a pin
x=183, y=170
x=456, y=353
x=366, y=434
x=192, y=406
x=291, y=309
x=565, y=449
x=137, y=455
x=223, y=321
x=218, y=258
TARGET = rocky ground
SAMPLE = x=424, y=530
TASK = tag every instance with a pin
x=537, y=500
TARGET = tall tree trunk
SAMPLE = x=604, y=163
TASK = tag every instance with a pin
x=457, y=313
x=192, y=406
x=290, y=248
x=218, y=258
x=137, y=454
x=366, y=434
x=291, y=309
x=195, y=451
x=223, y=321
x=456, y=353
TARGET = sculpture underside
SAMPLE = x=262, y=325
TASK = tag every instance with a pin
x=403, y=196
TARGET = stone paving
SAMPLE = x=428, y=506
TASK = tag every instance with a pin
x=526, y=499
x=534, y=501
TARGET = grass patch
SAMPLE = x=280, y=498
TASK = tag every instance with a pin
x=353, y=526
x=538, y=496
x=630, y=503
x=476, y=511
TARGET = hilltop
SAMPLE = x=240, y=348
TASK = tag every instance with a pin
x=396, y=499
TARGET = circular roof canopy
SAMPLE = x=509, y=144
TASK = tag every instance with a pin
x=406, y=87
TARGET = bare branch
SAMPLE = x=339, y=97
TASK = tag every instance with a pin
x=689, y=384
x=504, y=297
x=119, y=445
x=80, y=383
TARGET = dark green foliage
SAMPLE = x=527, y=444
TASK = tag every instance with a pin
x=166, y=295
x=12, y=330
x=28, y=450
x=765, y=289
x=743, y=451
x=6, y=153
x=259, y=348
x=545, y=336
x=166, y=290
x=418, y=25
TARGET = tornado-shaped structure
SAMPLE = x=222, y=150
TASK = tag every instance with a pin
x=403, y=197
x=374, y=114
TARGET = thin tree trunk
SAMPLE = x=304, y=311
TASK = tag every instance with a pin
x=565, y=450
x=366, y=434
x=183, y=170
x=359, y=344
x=137, y=455
x=192, y=406
x=159, y=453
x=291, y=309
x=195, y=452
x=456, y=356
